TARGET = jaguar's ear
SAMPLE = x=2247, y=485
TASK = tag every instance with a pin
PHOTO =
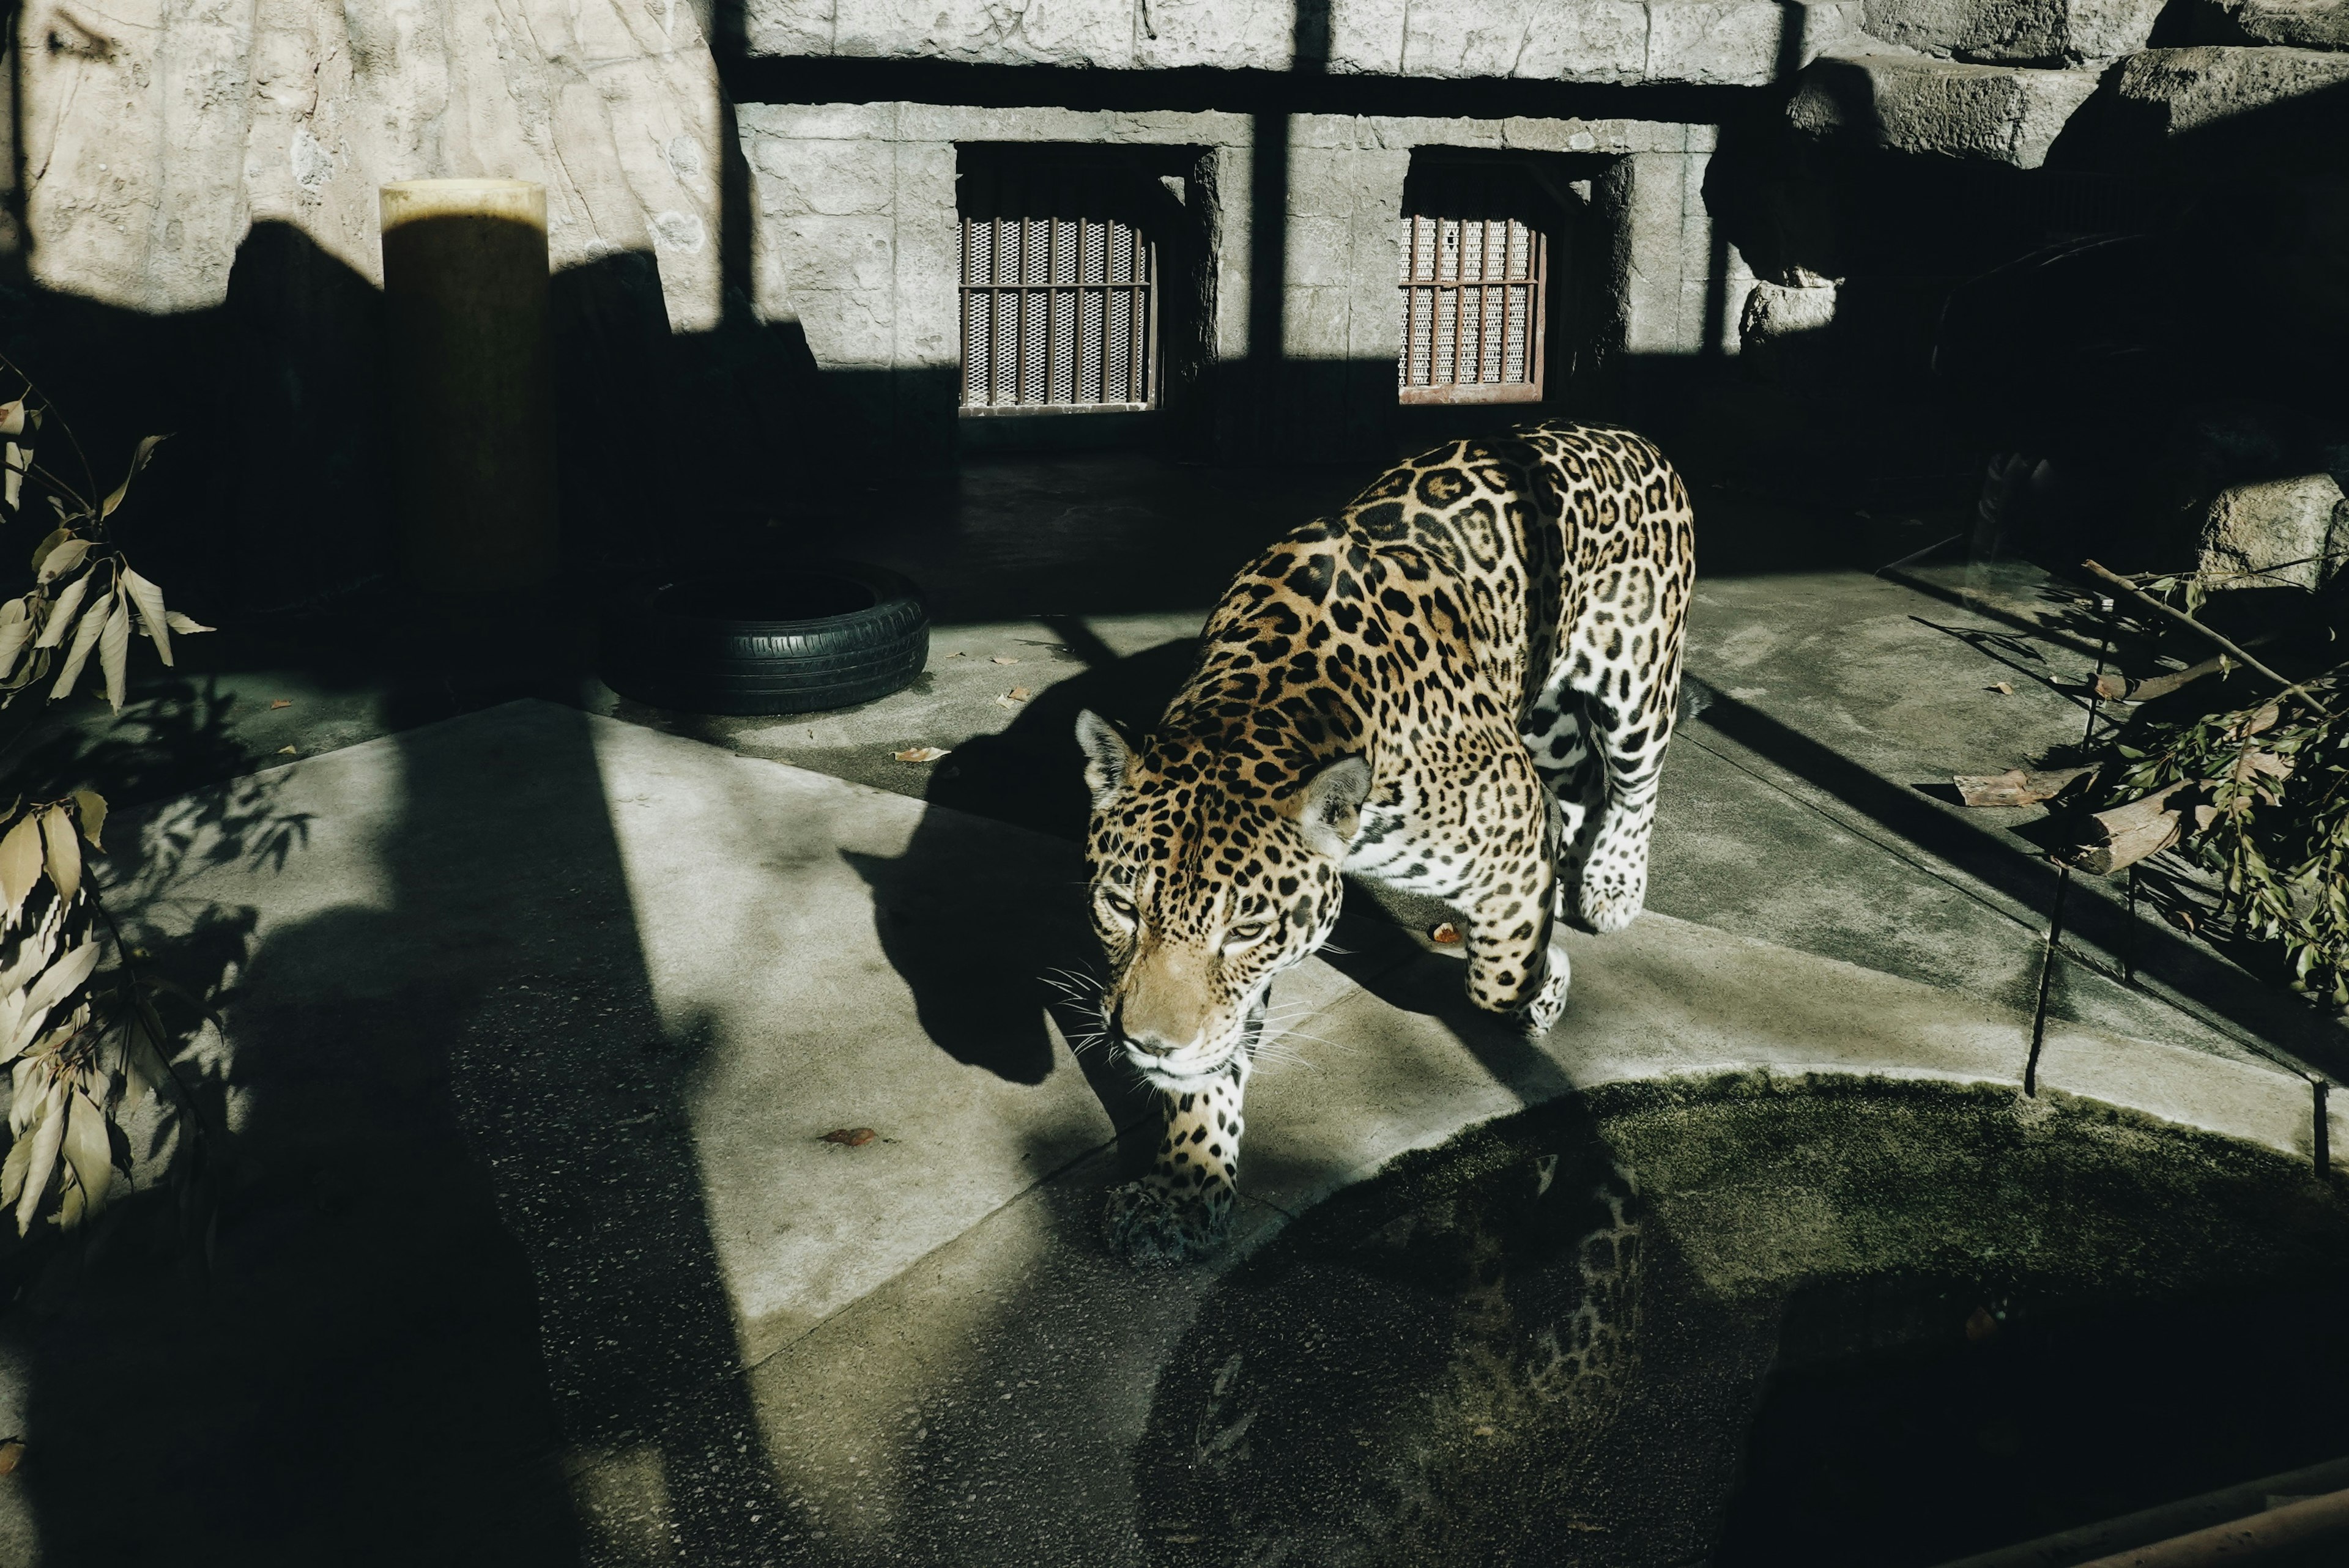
x=1106, y=756
x=1329, y=807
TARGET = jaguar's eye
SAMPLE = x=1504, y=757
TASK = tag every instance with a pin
x=1246, y=931
x=1118, y=904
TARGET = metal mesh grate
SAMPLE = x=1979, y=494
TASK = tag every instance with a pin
x=1058, y=313
x=1472, y=302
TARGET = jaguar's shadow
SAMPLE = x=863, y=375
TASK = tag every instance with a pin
x=987, y=929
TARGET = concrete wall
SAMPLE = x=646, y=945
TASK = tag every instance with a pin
x=856, y=241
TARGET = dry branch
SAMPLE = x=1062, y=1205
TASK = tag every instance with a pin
x=2226, y=645
x=2128, y=834
x=2016, y=787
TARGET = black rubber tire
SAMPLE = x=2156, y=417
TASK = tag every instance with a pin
x=698, y=645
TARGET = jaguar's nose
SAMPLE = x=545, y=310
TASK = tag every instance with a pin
x=1142, y=1042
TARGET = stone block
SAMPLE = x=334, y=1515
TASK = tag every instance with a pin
x=2016, y=32
x=1595, y=40
x=846, y=329
x=1716, y=42
x=1216, y=35
x=828, y=179
x=1998, y=114
x=1742, y=42
x=2175, y=91
x=762, y=122
x=2287, y=532
x=790, y=26
x=2295, y=24
x=1075, y=33
x=850, y=255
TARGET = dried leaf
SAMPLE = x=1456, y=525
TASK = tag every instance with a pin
x=2254, y=764
x=2264, y=719
x=854, y=1137
x=12, y=1454
x=86, y=1149
x=12, y=417
x=920, y=754
x=276, y=703
x=289, y=751
x=1980, y=1325
x=61, y=614
x=12, y=1172
x=15, y=631
x=84, y=638
x=146, y=446
x=2016, y=787
x=2001, y=687
x=151, y=613
x=1004, y=659
x=49, y=541
x=92, y=806
x=186, y=625
x=61, y=561
x=20, y=865
x=59, y=980
x=64, y=849
x=17, y=461
x=114, y=653
x=47, y=1132
x=1446, y=933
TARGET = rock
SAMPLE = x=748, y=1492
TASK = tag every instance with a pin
x=1782, y=330
x=1775, y=310
x=2276, y=532
x=1998, y=114
x=2172, y=92
x=2296, y=24
x=2016, y=32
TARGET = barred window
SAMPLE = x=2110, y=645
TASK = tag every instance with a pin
x=1473, y=297
x=1058, y=307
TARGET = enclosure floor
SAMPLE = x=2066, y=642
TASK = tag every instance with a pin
x=529, y=1242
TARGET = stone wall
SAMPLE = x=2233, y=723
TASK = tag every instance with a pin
x=857, y=245
x=199, y=248
x=1726, y=42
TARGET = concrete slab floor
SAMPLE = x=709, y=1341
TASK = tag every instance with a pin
x=533, y=1024
x=565, y=1117
x=1846, y=697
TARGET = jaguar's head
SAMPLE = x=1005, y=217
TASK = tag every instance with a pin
x=1208, y=878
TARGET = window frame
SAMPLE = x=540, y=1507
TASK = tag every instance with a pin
x=1140, y=292
x=1451, y=293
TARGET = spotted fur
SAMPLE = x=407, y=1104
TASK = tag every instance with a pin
x=1461, y=685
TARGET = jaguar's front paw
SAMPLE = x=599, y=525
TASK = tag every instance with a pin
x=1145, y=1223
x=1612, y=893
x=1539, y=1013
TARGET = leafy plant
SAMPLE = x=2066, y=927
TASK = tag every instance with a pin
x=2257, y=794
x=77, y=1041
x=2268, y=813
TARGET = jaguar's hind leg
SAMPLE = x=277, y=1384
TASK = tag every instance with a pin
x=1557, y=736
x=1632, y=707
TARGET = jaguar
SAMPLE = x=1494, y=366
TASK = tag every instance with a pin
x=1461, y=685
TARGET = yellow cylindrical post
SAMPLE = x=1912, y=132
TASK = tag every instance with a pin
x=472, y=422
